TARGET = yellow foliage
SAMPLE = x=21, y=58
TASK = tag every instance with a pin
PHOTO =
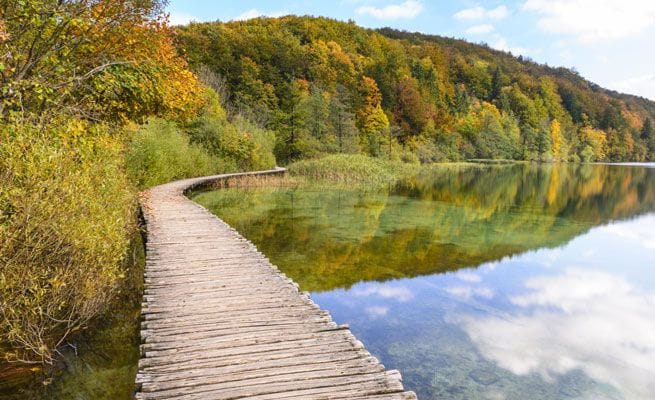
x=66, y=214
x=105, y=60
x=596, y=140
x=372, y=117
x=633, y=119
x=4, y=36
x=556, y=139
x=553, y=186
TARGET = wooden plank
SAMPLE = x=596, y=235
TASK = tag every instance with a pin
x=221, y=322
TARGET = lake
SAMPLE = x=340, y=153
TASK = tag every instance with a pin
x=509, y=281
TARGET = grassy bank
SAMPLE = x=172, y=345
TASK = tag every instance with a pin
x=351, y=168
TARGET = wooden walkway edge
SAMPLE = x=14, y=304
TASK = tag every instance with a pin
x=219, y=321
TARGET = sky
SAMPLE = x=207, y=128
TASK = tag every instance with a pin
x=610, y=42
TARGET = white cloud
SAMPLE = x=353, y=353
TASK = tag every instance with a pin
x=471, y=13
x=580, y=319
x=466, y=292
x=182, y=18
x=376, y=311
x=499, y=12
x=480, y=29
x=641, y=234
x=594, y=20
x=469, y=276
x=399, y=293
x=478, y=13
x=255, y=13
x=407, y=10
x=641, y=86
x=500, y=43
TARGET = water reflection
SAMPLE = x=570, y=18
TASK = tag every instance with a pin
x=581, y=317
x=550, y=306
x=441, y=220
x=591, y=321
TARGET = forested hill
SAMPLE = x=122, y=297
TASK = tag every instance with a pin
x=327, y=86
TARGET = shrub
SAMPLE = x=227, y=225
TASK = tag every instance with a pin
x=66, y=216
x=261, y=155
x=241, y=144
x=159, y=152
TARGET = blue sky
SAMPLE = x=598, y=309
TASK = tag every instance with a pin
x=610, y=42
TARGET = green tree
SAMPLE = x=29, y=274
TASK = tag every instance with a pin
x=496, y=84
x=647, y=135
x=342, y=123
x=647, y=131
x=462, y=102
x=317, y=113
x=292, y=132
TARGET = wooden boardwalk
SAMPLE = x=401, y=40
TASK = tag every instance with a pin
x=221, y=322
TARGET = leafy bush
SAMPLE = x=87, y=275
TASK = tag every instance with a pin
x=261, y=155
x=66, y=217
x=159, y=152
x=349, y=168
x=241, y=144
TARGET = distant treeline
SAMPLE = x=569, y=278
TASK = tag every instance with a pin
x=326, y=86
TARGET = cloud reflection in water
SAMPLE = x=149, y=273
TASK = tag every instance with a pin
x=580, y=319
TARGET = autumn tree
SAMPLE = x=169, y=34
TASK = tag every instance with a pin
x=593, y=144
x=372, y=119
x=557, y=141
x=102, y=59
x=410, y=114
x=620, y=144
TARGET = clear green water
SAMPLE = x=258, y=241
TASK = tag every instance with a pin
x=486, y=282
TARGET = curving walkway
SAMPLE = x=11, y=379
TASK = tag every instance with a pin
x=221, y=322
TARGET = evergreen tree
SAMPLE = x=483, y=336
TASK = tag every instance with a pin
x=647, y=136
x=291, y=138
x=342, y=122
x=462, y=100
x=496, y=84
x=647, y=131
x=317, y=113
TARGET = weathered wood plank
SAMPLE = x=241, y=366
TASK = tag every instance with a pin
x=219, y=321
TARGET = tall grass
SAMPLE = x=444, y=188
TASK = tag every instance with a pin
x=351, y=168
